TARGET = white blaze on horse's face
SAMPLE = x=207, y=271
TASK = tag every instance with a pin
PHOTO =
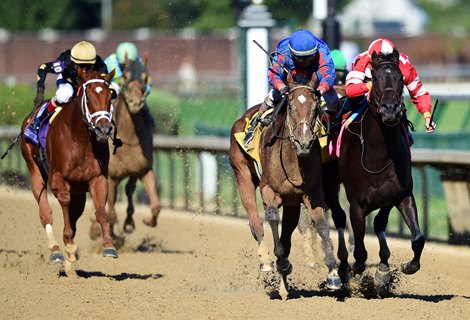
x=98, y=89
x=302, y=99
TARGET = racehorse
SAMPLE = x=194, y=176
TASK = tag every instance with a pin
x=375, y=165
x=134, y=158
x=76, y=161
x=290, y=165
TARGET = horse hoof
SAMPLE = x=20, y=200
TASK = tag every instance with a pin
x=382, y=274
x=129, y=228
x=151, y=223
x=56, y=257
x=359, y=267
x=266, y=266
x=285, y=268
x=110, y=253
x=95, y=231
x=333, y=281
x=410, y=267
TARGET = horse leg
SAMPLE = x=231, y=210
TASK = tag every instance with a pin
x=129, y=225
x=306, y=230
x=359, y=228
x=407, y=208
x=247, y=191
x=99, y=191
x=39, y=189
x=72, y=212
x=333, y=281
x=382, y=274
x=149, y=181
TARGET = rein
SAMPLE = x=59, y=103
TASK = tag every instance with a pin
x=361, y=139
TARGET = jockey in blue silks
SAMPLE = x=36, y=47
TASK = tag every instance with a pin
x=300, y=54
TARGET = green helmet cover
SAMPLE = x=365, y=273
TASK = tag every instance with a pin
x=129, y=48
x=338, y=59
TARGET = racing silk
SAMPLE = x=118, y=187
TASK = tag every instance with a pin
x=64, y=66
x=356, y=81
x=322, y=64
x=112, y=63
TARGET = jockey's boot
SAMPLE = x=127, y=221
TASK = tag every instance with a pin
x=32, y=130
x=254, y=123
x=408, y=127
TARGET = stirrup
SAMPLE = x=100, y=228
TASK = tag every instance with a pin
x=248, y=136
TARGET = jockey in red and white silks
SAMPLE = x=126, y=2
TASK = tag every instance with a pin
x=358, y=81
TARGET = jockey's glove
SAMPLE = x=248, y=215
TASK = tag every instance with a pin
x=39, y=97
x=430, y=126
x=283, y=90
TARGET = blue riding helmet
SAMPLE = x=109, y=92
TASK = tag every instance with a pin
x=302, y=43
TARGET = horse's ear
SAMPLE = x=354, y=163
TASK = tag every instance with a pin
x=313, y=82
x=145, y=58
x=290, y=79
x=126, y=59
x=396, y=54
x=110, y=75
x=374, y=56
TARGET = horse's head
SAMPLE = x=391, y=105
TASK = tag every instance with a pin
x=134, y=84
x=95, y=99
x=303, y=107
x=387, y=87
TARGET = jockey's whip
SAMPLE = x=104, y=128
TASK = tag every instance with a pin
x=269, y=55
x=28, y=123
x=433, y=111
x=11, y=145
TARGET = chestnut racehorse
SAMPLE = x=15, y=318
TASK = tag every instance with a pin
x=77, y=154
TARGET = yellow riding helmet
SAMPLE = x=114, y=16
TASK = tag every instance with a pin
x=83, y=53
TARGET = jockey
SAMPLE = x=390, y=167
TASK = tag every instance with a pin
x=301, y=54
x=117, y=61
x=358, y=81
x=82, y=54
x=340, y=63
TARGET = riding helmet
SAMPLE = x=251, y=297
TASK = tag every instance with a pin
x=380, y=46
x=302, y=43
x=339, y=59
x=129, y=48
x=83, y=53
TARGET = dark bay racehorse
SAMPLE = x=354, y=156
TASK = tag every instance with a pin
x=77, y=155
x=134, y=158
x=290, y=175
x=375, y=166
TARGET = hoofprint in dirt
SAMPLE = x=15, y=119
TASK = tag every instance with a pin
x=203, y=267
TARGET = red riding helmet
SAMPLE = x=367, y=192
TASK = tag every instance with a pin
x=380, y=46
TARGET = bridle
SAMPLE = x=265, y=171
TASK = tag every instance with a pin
x=91, y=119
x=126, y=86
x=310, y=124
x=377, y=96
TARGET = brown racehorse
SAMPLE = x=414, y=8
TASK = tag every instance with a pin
x=375, y=166
x=290, y=175
x=77, y=154
x=135, y=158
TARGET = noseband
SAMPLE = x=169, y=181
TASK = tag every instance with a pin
x=92, y=118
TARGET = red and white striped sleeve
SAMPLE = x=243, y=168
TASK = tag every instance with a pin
x=356, y=80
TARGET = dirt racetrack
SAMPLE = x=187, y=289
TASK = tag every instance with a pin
x=196, y=266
